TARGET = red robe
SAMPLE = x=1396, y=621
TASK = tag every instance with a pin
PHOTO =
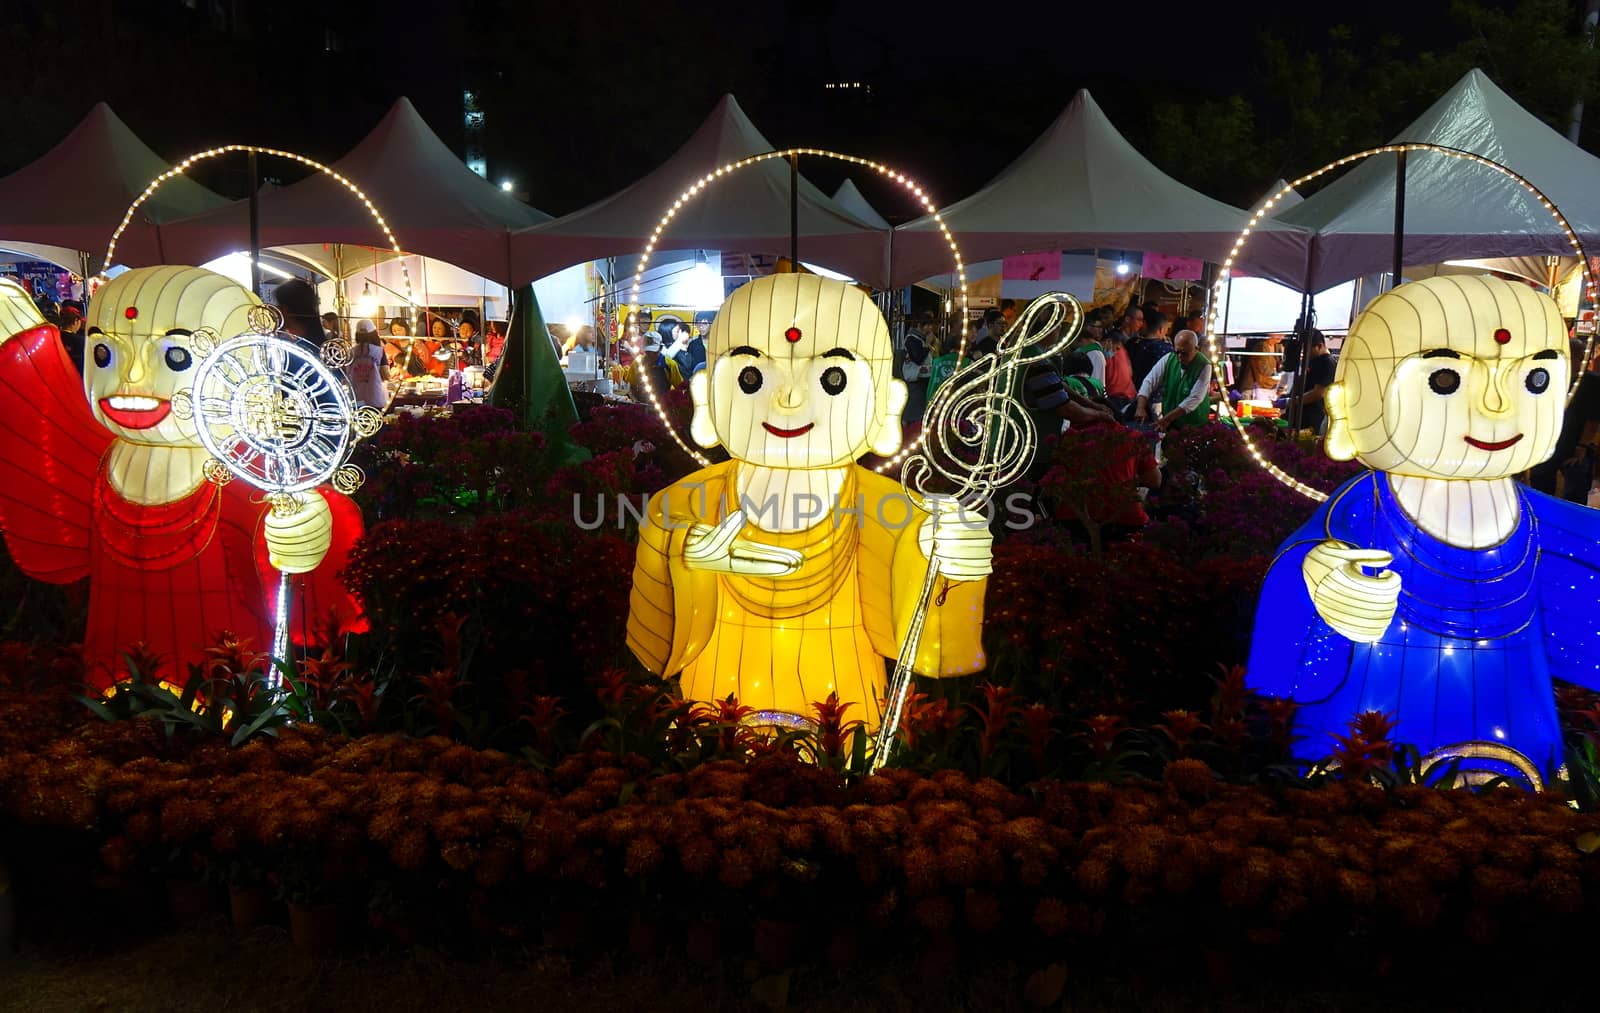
x=171, y=576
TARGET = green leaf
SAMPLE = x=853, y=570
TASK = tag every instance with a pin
x=259, y=723
x=99, y=709
x=598, y=726
x=191, y=688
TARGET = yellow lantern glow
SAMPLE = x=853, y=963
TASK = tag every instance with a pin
x=790, y=572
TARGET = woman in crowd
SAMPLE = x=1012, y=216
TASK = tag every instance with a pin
x=369, y=367
x=425, y=360
x=494, y=341
x=1258, y=377
x=1121, y=394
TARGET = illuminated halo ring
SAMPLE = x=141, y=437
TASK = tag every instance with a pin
x=335, y=352
x=698, y=187
x=1388, y=149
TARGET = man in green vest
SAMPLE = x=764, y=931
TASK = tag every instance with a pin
x=1180, y=383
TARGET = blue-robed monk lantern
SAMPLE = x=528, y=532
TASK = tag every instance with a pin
x=1434, y=587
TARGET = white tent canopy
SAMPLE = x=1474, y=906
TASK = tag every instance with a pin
x=851, y=199
x=74, y=195
x=435, y=204
x=747, y=211
x=1455, y=209
x=1082, y=185
x=61, y=256
x=1287, y=201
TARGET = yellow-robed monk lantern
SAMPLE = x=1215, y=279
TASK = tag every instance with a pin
x=790, y=572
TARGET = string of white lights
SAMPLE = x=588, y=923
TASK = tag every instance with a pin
x=1266, y=208
x=182, y=168
x=698, y=187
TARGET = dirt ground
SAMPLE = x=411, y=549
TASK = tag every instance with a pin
x=214, y=968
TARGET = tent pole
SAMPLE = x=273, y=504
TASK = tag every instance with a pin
x=255, y=227
x=1399, y=215
x=1303, y=334
x=794, y=212
x=341, y=299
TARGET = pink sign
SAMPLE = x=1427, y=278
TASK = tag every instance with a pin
x=1159, y=265
x=1031, y=267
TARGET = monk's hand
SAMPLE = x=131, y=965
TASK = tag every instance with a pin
x=719, y=548
x=296, y=542
x=957, y=539
x=1357, y=604
x=17, y=312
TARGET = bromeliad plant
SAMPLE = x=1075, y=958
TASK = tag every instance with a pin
x=229, y=695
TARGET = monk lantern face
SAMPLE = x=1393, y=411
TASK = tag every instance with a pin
x=1451, y=377
x=799, y=374
x=138, y=351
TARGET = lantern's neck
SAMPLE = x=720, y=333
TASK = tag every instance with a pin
x=151, y=475
x=787, y=499
x=1467, y=513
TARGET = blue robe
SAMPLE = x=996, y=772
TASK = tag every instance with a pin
x=1475, y=639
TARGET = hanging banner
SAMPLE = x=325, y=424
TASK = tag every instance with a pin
x=1032, y=267
x=1165, y=268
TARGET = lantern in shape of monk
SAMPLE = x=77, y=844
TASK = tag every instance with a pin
x=104, y=480
x=790, y=572
x=1435, y=588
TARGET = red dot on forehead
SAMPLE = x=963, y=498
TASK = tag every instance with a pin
x=792, y=334
x=132, y=312
x=1502, y=336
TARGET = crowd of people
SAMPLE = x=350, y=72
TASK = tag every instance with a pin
x=1141, y=369
x=669, y=351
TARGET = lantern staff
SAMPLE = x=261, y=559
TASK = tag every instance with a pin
x=977, y=440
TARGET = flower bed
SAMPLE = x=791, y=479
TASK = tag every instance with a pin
x=796, y=858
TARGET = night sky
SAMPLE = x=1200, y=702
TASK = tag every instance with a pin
x=583, y=100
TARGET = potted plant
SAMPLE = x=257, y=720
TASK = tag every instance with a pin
x=313, y=915
x=189, y=897
x=250, y=901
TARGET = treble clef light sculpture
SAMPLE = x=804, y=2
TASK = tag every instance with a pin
x=273, y=412
x=977, y=440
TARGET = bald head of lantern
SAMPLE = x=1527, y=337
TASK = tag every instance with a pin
x=138, y=348
x=1451, y=377
x=799, y=374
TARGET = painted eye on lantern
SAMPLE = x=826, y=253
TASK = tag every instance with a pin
x=749, y=379
x=102, y=355
x=833, y=380
x=179, y=359
x=1538, y=381
x=1444, y=382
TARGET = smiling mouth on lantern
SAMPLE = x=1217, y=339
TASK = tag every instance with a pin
x=135, y=411
x=787, y=433
x=1486, y=445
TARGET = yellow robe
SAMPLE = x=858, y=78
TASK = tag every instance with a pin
x=782, y=643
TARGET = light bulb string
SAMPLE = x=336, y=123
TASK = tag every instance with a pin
x=181, y=168
x=1220, y=287
x=695, y=189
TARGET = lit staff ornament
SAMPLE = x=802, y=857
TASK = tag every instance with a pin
x=116, y=486
x=1435, y=588
x=790, y=572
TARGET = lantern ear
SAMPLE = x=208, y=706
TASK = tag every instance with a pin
x=887, y=435
x=1339, y=444
x=701, y=428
